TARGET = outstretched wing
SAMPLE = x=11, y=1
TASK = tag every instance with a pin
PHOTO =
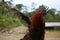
x=24, y=17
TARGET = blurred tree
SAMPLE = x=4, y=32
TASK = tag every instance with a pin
x=6, y=18
x=25, y=9
x=58, y=12
x=43, y=7
x=52, y=11
x=5, y=7
x=36, y=10
x=49, y=18
x=19, y=6
x=33, y=5
x=57, y=18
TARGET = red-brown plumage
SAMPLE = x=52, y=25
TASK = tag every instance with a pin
x=38, y=20
x=38, y=26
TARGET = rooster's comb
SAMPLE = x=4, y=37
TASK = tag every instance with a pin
x=40, y=12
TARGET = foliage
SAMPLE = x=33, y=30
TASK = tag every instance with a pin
x=7, y=17
x=19, y=6
x=52, y=15
x=52, y=11
x=9, y=20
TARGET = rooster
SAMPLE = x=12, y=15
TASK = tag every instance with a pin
x=36, y=26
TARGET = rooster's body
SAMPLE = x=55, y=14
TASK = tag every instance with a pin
x=37, y=27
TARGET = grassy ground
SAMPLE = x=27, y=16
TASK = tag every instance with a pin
x=21, y=31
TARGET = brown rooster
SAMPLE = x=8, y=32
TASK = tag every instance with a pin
x=36, y=26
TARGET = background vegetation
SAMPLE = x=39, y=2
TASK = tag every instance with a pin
x=9, y=20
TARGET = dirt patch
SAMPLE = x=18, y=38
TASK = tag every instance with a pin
x=18, y=33
x=52, y=35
